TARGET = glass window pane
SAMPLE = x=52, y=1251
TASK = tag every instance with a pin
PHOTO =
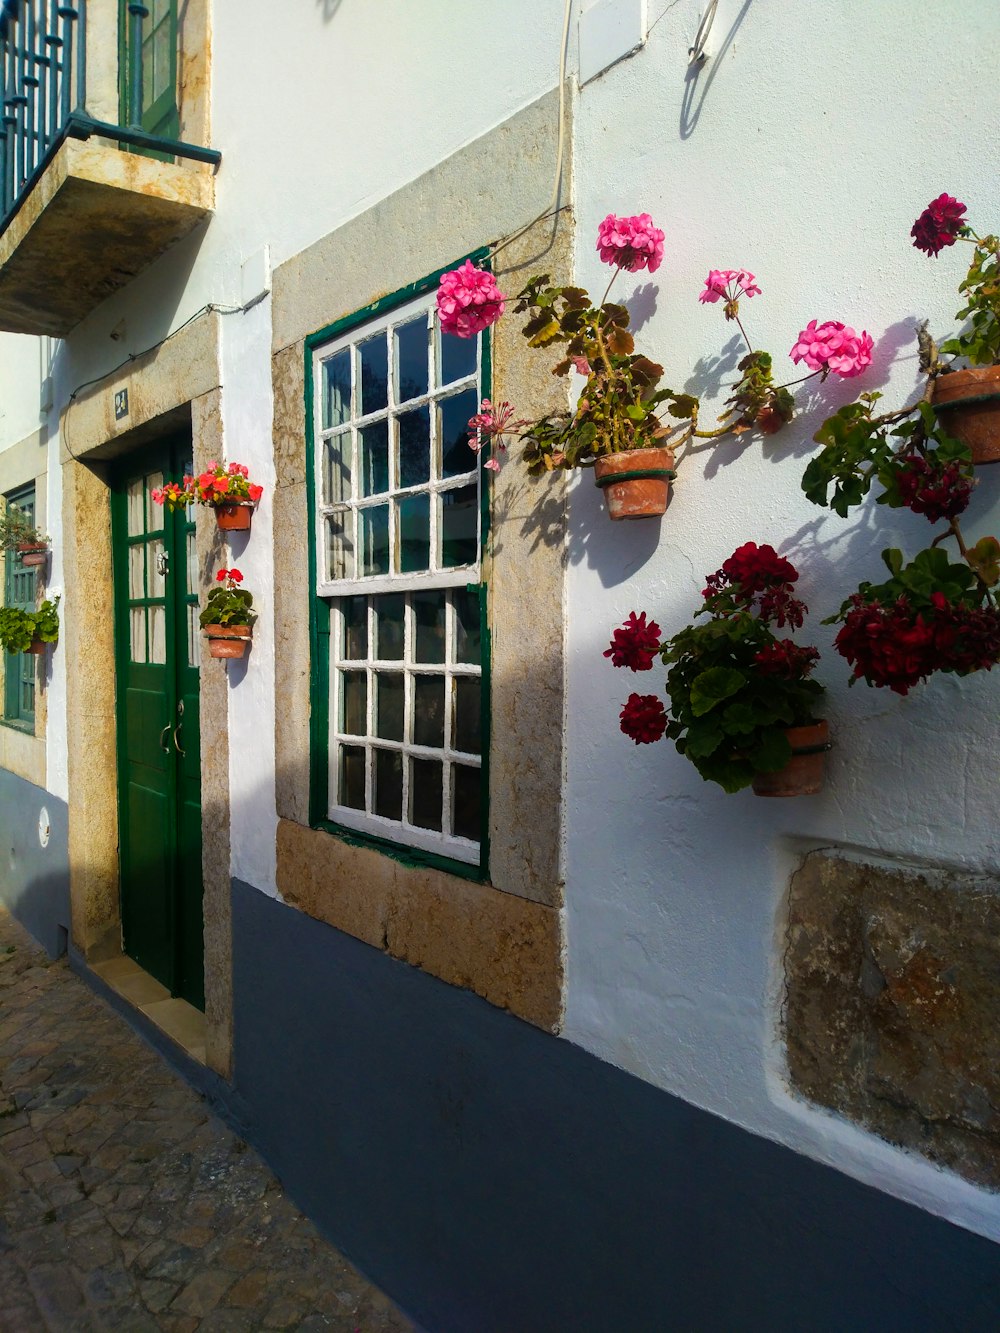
x=154, y=512
x=390, y=611
x=192, y=624
x=411, y=359
x=373, y=443
x=154, y=568
x=373, y=375
x=161, y=61
x=351, y=783
x=413, y=535
x=466, y=806
x=354, y=703
x=456, y=456
x=355, y=613
x=157, y=635
x=458, y=357
x=389, y=784
x=336, y=389
x=428, y=621
x=389, y=723
x=374, y=540
x=465, y=714
x=340, y=545
x=136, y=572
x=425, y=793
x=337, y=469
x=135, y=500
x=137, y=633
x=459, y=526
x=468, y=637
x=414, y=447
x=191, y=562
x=428, y=711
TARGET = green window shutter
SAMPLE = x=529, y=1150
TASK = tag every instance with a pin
x=19, y=591
x=160, y=111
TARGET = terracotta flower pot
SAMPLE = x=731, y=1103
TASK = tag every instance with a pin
x=803, y=774
x=37, y=647
x=234, y=515
x=228, y=640
x=32, y=555
x=636, y=484
x=968, y=402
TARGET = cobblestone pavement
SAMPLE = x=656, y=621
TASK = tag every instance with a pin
x=124, y=1202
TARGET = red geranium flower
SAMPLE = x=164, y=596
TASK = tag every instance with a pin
x=235, y=576
x=635, y=644
x=644, y=718
x=929, y=487
x=755, y=567
x=222, y=574
x=938, y=225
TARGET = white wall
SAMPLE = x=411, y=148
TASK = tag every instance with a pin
x=817, y=134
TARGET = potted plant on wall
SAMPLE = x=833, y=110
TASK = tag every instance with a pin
x=742, y=701
x=228, y=616
x=29, y=631
x=615, y=427
x=18, y=533
x=227, y=490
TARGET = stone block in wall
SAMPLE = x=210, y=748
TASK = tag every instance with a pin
x=892, y=1005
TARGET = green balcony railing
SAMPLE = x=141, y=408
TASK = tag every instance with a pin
x=43, y=63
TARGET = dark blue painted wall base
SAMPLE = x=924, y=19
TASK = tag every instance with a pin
x=497, y=1180
x=34, y=880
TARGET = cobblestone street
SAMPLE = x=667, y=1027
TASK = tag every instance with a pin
x=124, y=1202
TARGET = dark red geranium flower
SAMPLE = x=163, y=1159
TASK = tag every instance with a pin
x=785, y=658
x=932, y=488
x=644, y=718
x=938, y=225
x=635, y=644
x=755, y=568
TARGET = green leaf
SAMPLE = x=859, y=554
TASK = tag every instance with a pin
x=772, y=751
x=711, y=687
x=984, y=558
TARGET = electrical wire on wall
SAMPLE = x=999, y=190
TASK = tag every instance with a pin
x=551, y=207
x=211, y=308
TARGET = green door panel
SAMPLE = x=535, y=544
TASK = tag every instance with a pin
x=158, y=733
x=160, y=111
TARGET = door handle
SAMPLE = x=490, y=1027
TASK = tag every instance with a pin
x=164, y=748
x=180, y=723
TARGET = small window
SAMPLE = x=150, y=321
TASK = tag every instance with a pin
x=19, y=590
x=398, y=535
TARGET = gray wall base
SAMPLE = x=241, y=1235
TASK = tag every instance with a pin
x=34, y=880
x=494, y=1179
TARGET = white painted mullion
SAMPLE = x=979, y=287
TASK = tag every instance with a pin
x=407, y=707
x=449, y=706
x=333, y=729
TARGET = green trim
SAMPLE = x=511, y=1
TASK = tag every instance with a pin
x=971, y=401
x=643, y=474
x=319, y=610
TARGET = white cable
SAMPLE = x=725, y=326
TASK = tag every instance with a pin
x=561, y=138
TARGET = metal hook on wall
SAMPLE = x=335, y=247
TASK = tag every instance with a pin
x=697, y=54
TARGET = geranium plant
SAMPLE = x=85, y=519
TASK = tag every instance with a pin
x=619, y=406
x=931, y=615
x=19, y=630
x=16, y=529
x=735, y=687
x=228, y=605
x=217, y=485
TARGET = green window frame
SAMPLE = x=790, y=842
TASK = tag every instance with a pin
x=160, y=109
x=399, y=516
x=20, y=590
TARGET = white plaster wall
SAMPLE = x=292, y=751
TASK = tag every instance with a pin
x=813, y=138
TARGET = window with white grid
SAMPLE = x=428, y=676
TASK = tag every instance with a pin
x=398, y=564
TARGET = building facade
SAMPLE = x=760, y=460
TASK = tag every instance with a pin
x=546, y=1032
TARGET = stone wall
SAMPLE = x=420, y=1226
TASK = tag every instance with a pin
x=890, y=1006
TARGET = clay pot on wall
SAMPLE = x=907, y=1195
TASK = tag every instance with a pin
x=804, y=772
x=636, y=484
x=234, y=515
x=968, y=403
x=32, y=555
x=228, y=640
x=36, y=646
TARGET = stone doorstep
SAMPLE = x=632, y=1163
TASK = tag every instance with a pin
x=180, y=1021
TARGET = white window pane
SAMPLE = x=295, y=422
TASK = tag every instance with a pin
x=137, y=633
x=154, y=573
x=135, y=500
x=157, y=635
x=154, y=512
x=192, y=627
x=192, y=565
x=340, y=546
x=136, y=572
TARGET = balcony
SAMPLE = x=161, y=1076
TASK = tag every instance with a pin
x=95, y=184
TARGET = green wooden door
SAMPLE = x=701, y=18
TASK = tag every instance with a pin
x=159, y=791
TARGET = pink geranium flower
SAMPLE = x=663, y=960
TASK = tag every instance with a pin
x=833, y=346
x=468, y=301
x=630, y=243
x=728, y=284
